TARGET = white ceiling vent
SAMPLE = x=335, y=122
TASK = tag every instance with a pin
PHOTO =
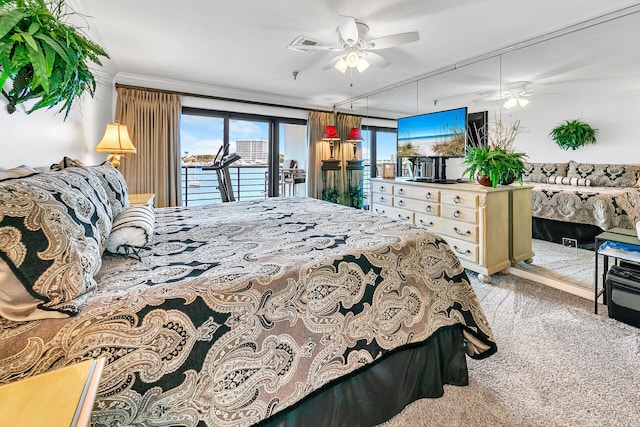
x=302, y=42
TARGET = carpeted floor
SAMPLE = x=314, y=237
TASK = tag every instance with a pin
x=571, y=265
x=558, y=364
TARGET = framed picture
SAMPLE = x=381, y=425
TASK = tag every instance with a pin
x=388, y=170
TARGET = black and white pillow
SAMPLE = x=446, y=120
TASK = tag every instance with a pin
x=54, y=227
x=131, y=230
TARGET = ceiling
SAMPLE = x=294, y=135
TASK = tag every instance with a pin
x=241, y=46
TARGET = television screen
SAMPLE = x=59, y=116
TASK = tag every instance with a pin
x=439, y=134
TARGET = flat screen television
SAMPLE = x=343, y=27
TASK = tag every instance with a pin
x=435, y=136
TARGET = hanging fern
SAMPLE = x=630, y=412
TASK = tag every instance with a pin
x=46, y=59
x=573, y=134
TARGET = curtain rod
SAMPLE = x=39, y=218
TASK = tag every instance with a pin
x=221, y=98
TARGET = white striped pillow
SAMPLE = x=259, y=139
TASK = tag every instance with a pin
x=131, y=230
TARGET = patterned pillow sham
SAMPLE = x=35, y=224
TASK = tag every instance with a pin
x=67, y=162
x=17, y=172
x=131, y=230
x=54, y=227
x=606, y=175
x=540, y=172
x=565, y=180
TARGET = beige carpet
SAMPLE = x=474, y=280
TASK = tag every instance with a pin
x=558, y=364
x=570, y=265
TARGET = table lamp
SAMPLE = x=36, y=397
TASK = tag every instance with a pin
x=354, y=137
x=117, y=142
x=331, y=134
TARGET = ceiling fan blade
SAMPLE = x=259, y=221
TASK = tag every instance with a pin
x=348, y=29
x=330, y=63
x=377, y=59
x=393, y=40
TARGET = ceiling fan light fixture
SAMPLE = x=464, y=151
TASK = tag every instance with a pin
x=363, y=64
x=510, y=103
x=523, y=102
x=353, y=59
x=341, y=65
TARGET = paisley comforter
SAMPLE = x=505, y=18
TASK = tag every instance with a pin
x=605, y=207
x=238, y=311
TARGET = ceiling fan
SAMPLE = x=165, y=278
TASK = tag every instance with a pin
x=355, y=50
x=515, y=94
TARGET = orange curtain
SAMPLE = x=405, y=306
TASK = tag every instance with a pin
x=153, y=120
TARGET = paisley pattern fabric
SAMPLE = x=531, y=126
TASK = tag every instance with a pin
x=540, y=172
x=605, y=207
x=239, y=310
x=54, y=228
x=606, y=175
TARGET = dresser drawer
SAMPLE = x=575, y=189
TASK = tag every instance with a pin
x=419, y=206
x=418, y=193
x=459, y=213
x=382, y=187
x=458, y=229
x=464, y=250
x=401, y=214
x=429, y=222
x=385, y=199
x=463, y=199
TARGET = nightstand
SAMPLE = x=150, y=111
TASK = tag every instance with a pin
x=63, y=397
x=142, y=199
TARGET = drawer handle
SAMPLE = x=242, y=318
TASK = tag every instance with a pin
x=456, y=214
x=466, y=233
x=467, y=252
x=406, y=218
x=382, y=200
x=428, y=208
x=380, y=212
x=428, y=196
x=456, y=199
x=382, y=188
x=425, y=224
x=401, y=191
x=401, y=203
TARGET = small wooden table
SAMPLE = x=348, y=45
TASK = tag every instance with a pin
x=619, y=235
x=63, y=397
x=141, y=199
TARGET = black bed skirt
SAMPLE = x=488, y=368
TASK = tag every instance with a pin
x=381, y=391
x=554, y=231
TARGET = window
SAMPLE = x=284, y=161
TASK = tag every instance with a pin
x=260, y=141
x=379, y=146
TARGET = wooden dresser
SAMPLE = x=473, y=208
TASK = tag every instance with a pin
x=481, y=224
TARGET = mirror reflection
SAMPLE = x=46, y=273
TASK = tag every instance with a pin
x=588, y=71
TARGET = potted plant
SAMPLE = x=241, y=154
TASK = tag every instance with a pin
x=573, y=134
x=44, y=58
x=497, y=162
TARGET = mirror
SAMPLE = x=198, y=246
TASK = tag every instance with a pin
x=588, y=71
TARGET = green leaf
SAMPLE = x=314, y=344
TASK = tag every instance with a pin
x=9, y=20
x=40, y=74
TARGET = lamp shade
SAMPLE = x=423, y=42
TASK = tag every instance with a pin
x=331, y=134
x=116, y=140
x=354, y=135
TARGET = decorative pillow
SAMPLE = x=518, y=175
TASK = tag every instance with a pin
x=540, y=172
x=131, y=230
x=565, y=180
x=53, y=229
x=17, y=172
x=606, y=175
x=114, y=184
x=67, y=162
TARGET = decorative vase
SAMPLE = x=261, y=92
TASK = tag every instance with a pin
x=484, y=180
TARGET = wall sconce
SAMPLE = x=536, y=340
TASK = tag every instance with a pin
x=354, y=137
x=331, y=134
x=117, y=142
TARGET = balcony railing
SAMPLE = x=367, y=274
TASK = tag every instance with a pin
x=249, y=182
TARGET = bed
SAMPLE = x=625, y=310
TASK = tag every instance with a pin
x=580, y=200
x=283, y=311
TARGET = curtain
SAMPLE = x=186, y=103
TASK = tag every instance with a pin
x=318, y=150
x=153, y=120
x=344, y=150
